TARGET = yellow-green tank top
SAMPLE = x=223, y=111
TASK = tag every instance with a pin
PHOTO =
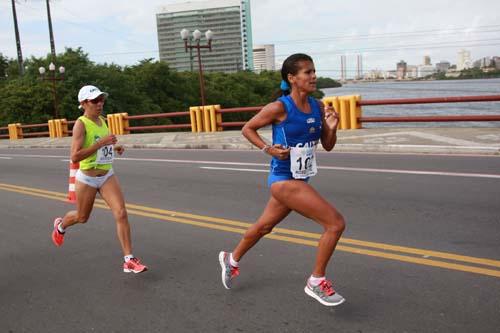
x=93, y=133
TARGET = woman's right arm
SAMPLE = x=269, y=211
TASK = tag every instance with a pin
x=272, y=112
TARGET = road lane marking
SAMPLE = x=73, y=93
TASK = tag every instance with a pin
x=5, y=158
x=240, y=227
x=234, y=169
x=351, y=169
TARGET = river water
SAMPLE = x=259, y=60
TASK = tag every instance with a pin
x=415, y=89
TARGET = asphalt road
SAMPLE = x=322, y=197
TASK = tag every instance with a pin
x=421, y=251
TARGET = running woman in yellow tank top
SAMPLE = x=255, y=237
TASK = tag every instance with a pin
x=94, y=147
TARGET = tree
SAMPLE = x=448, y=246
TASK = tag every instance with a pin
x=145, y=88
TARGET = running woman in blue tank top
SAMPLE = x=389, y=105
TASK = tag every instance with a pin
x=299, y=122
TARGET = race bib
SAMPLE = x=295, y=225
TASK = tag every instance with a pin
x=303, y=162
x=105, y=155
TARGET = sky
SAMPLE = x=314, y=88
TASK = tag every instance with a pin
x=382, y=31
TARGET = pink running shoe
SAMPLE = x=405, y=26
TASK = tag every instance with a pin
x=134, y=265
x=57, y=236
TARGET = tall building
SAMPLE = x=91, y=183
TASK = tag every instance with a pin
x=496, y=61
x=359, y=66
x=401, y=70
x=427, y=60
x=443, y=66
x=343, y=68
x=425, y=70
x=464, y=60
x=484, y=62
x=263, y=58
x=229, y=20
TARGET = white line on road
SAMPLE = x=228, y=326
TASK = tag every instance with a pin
x=6, y=158
x=397, y=171
x=408, y=172
x=235, y=169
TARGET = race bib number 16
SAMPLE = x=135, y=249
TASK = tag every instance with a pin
x=105, y=155
x=303, y=162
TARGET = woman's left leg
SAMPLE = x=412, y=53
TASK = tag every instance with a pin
x=111, y=193
x=305, y=200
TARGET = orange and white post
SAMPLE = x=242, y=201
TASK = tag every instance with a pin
x=73, y=168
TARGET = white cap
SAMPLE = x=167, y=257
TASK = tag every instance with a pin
x=89, y=92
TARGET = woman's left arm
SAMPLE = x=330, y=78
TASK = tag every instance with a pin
x=330, y=119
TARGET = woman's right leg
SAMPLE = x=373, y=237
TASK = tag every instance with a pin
x=85, y=197
x=273, y=213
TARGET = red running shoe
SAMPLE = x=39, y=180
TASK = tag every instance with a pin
x=57, y=236
x=134, y=266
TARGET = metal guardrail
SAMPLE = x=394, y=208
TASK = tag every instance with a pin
x=4, y=136
x=156, y=116
x=211, y=118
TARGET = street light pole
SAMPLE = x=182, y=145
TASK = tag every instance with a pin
x=197, y=36
x=52, y=77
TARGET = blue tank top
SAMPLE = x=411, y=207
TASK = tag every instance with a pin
x=299, y=129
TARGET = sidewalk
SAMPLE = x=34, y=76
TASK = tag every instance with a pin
x=437, y=140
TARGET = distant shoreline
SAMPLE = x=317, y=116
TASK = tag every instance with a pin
x=412, y=81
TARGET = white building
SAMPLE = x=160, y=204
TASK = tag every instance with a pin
x=464, y=60
x=230, y=22
x=263, y=58
x=411, y=72
x=425, y=70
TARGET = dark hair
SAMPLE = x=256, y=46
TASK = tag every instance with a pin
x=291, y=66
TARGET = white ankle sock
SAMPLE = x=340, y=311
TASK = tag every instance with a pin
x=128, y=257
x=60, y=228
x=315, y=280
x=233, y=262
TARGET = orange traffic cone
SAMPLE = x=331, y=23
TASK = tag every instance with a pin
x=73, y=168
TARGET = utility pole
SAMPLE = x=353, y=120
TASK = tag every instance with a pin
x=18, y=40
x=52, y=46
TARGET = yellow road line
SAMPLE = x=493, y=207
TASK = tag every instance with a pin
x=240, y=227
x=381, y=246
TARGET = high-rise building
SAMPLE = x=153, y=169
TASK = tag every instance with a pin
x=263, y=58
x=443, y=66
x=343, y=68
x=401, y=70
x=425, y=70
x=496, y=61
x=484, y=62
x=427, y=60
x=359, y=66
x=464, y=60
x=229, y=20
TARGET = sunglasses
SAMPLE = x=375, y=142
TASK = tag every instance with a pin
x=97, y=100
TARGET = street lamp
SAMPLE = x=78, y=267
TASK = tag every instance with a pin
x=53, y=77
x=197, y=36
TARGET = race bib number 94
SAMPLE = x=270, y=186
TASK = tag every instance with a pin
x=105, y=155
x=303, y=162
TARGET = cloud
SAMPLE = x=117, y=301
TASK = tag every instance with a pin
x=384, y=32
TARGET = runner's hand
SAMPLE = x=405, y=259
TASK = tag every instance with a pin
x=279, y=152
x=119, y=149
x=108, y=140
x=331, y=117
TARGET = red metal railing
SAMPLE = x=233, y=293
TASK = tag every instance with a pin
x=255, y=109
x=238, y=110
x=35, y=134
x=400, y=101
x=4, y=136
x=431, y=100
x=157, y=127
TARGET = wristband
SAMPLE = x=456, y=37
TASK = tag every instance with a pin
x=265, y=148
